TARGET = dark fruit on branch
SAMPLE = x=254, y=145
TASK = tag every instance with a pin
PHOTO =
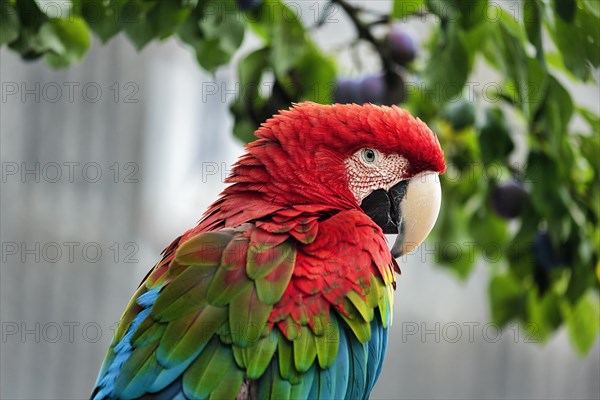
x=401, y=46
x=544, y=254
x=372, y=89
x=508, y=199
x=346, y=91
x=378, y=89
x=247, y=5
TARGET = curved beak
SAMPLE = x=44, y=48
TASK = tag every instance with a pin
x=409, y=208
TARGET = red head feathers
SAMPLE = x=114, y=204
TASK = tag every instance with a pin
x=345, y=128
x=300, y=154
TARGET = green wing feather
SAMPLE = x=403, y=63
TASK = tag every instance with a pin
x=210, y=315
x=208, y=329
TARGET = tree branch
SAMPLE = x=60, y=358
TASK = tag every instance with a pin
x=364, y=32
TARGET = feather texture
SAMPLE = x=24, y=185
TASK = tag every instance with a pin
x=183, y=340
x=284, y=288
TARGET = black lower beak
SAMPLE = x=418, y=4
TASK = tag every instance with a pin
x=384, y=209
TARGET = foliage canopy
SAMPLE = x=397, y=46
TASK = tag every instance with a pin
x=545, y=263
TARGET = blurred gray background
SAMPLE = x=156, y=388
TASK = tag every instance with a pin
x=104, y=163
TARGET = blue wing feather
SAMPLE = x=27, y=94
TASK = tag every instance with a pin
x=356, y=368
x=383, y=342
x=357, y=351
x=342, y=367
x=105, y=383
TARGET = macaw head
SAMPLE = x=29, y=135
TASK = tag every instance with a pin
x=380, y=159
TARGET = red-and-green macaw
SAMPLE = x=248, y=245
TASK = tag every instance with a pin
x=284, y=288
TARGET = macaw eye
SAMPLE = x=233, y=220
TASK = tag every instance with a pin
x=368, y=155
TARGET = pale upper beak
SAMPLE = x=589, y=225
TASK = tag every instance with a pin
x=409, y=208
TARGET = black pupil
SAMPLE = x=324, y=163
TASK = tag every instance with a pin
x=370, y=155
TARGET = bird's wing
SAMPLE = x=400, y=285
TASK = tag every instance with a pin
x=201, y=326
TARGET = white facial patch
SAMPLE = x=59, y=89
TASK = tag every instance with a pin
x=369, y=170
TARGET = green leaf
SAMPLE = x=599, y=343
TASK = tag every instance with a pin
x=29, y=43
x=590, y=34
x=460, y=114
x=404, y=8
x=286, y=37
x=467, y=13
x=494, y=137
x=565, y=9
x=556, y=112
x=459, y=256
x=105, y=18
x=533, y=11
x=544, y=314
x=495, y=50
x=251, y=68
x=491, y=235
x=528, y=78
x=582, y=277
x=315, y=83
x=166, y=17
x=507, y=298
x=66, y=40
x=9, y=22
x=583, y=323
x=543, y=190
x=216, y=34
x=453, y=245
x=211, y=55
x=578, y=41
x=189, y=31
x=519, y=252
x=135, y=24
x=145, y=20
x=244, y=127
x=448, y=66
x=30, y=14
x=420, y=104
x=472, y=12
x=592, y=6
x=446, y=10
x=590, y=117
x=475, y=39
x=535, y=89
x=250, y=72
